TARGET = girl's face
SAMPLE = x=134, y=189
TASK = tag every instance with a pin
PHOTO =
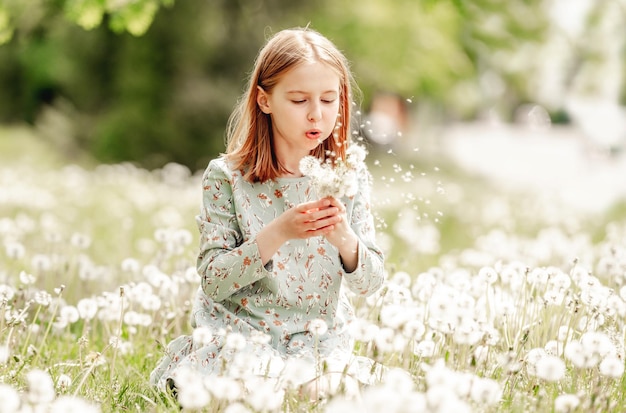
x=304, y=106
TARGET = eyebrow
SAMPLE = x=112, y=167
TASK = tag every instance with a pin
x=306, y=93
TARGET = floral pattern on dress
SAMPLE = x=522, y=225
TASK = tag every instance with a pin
x=303, y=281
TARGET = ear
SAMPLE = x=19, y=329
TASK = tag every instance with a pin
x=263, y=101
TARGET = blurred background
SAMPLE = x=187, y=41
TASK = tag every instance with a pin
x=154, y=81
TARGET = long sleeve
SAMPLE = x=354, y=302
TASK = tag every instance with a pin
x=368, y=276
x=226, y=262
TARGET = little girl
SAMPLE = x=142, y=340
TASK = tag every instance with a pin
x=277, y=259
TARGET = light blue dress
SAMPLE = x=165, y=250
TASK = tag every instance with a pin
x=303, y=282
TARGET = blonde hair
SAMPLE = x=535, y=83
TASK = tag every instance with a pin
x=249, y=132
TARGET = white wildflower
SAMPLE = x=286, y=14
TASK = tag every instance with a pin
x=566, y=403
x=336, y=179
x=235, y=341
x=43, y=298
x=63, y=382
x=413, y=329
x=297, y=371
x=26, y=278
x=554, y=348
x=264, y=394
x=485, y=392
x=87, y=308
x=4, y=354
x=223, y=387
x=488, y=275
x=40, y=388
x=14, y=250
x=612, y=366
x=237, y=408
x=69, y=313
x=6, y=293
x=10, y=399
x=394, y=316
x=202, y=336
x=193, y=395
x=317, y=327
x=425, y=349
x=80, y=241
x=550, y=368
x=41, y=262
x=72, y=404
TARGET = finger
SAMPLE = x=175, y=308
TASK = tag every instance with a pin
x=321, y=214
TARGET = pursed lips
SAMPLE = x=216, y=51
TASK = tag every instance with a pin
x=313, y=133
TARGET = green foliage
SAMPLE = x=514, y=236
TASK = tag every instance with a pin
x=152, y=81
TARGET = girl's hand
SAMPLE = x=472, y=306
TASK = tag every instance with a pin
x=343, y=237
x=306, y=220
x=309, y=219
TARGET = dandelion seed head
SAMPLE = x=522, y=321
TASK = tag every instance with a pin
x=597, y=342
x=554, y=348
x=14, y=250
x=363, y=330
x=6, y=293
x=414, y=329
x=130, y=265
x=193, y=395
x=4, y=354
x=72, y=404
x=488, y=275
x=425, y=349
x=80, y=241
x=42, y=298
x=237, y=407
x=63, y=382
x=612, y=366
x=235, y=341
x=485, y=391
x=202, y=336
x=566, y=403
x=26, y=278
x=40, y=388
x=10, y=399
x=41, y=262
x=150, y=302
x=550, y=368
x=223, y=387
x=297, y=371
x=87, y=308
x=398, y=380
x=264, y=394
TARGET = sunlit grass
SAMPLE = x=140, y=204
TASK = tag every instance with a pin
x=495, y=302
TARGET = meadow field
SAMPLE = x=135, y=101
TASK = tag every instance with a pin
x=494, y=302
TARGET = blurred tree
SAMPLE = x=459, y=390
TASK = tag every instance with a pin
x=141, y=82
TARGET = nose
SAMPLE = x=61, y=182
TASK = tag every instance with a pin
x=315, y=112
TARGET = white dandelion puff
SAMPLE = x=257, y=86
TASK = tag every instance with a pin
x=235, y=341
x=63, y=382
x=566, y=403
x=10, y=399
x=317, y=327
x=550, y=368
x=40, y=388
x=72, y=404
x=612, y=366
x=202, y=336
x=4, y=354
